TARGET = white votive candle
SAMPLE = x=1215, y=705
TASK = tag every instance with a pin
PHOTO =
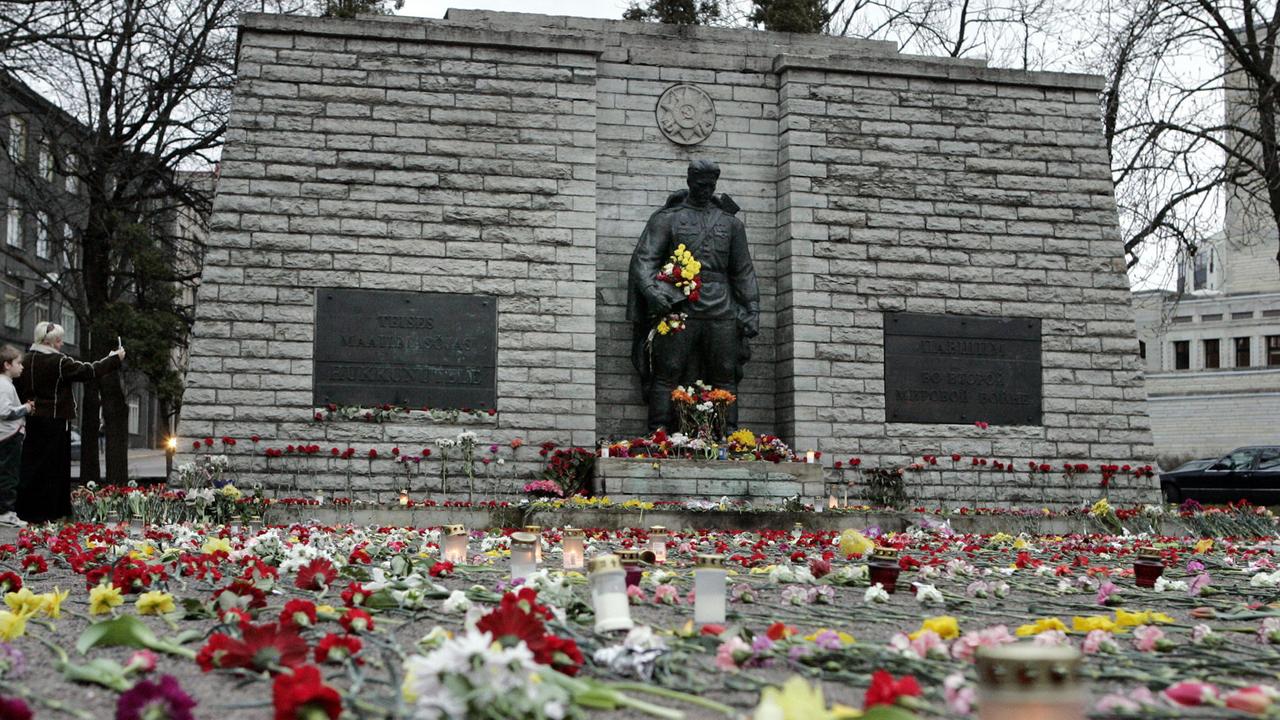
x=609, y=594
x=709, y=590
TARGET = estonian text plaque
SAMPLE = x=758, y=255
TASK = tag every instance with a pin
x=374, y=347
x=962, y=369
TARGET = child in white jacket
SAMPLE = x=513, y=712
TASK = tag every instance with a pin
x=13, y=418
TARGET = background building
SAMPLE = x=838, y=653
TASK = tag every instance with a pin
x=44, y=209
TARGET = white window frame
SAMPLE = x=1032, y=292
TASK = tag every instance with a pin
x=44, y=160
x=41, y=312
x=70, y=326
x=13, y=223
x=135, y=415
x=68, y=235
x=12, y=309
x=43, y=250
x=17, y=138
x=70, y=164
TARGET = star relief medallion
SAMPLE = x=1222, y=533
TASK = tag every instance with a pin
x=686, y=114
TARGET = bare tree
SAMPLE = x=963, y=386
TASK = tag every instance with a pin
x=149, y=83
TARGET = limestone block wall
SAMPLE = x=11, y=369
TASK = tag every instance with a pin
x=941, y=187
x=404, y=156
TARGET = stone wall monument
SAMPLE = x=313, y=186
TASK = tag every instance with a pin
x=935, y=240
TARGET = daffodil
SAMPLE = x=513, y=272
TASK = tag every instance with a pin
x=946, y=626
x=1093, y=622
x=23, y=602
x=12, y=625
x=155, y=602
x=797, y=700
x=52, y=602
x=1126, y=619
x=1039, y=626
x=103, y=598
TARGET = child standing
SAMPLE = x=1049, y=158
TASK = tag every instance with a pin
x=13, y=418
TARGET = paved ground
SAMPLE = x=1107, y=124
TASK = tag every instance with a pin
x=142, y=464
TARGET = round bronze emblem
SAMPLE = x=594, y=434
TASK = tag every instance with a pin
x=686, y=114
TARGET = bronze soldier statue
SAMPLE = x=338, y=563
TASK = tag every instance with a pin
x=713, y=345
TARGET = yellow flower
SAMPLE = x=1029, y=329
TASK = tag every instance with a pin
x=743, y=437
x=1091, y=623
x=1204, y=546
x=23, y=602
x=853, y=542
x=1100, y=508
x=1039, y=626
x=663, y=328
x=52, y=602
x=795, y=701
x=1125, y=619
x=1020, y=544
x=945, y=625
x=231, y=492
x=1000, y=538
x=12, y=625
x=845, y=638
x=214, y=544
x=103, y=598
x=155, y=602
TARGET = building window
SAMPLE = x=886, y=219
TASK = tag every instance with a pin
x=1242, y=352
x=69, y=166
x=13, y=224
x=12, y=309
x=1212, y=354
x=135, y=415
x=17, y=139
x=42, y=236
x=40, y=313
x=44, y=160
x=69, y=326
x=1181, y=354
x=1142, y=350
x=67, y=236
x=1273, y=350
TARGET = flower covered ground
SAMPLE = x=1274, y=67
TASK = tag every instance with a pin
x=305, y=621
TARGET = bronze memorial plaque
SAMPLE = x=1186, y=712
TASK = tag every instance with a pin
x=415, y=349
x=962, y=369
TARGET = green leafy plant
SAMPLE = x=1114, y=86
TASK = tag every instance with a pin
x=885, y=486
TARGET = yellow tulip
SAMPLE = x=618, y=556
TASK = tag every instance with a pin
x=213, y=545
x=52, y=602
x=23, y=602
x=853, y=542
x=1093, y=622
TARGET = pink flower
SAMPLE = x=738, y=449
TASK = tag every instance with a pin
x=1200, y=582
x=1191, y=692
x=725, y=653
x=1105, y=591
x=968, y=644
x=636, y=594
x=1051, y=638
x=1146, y=637
x=666, y=594
x=1254, y=699
x=1098, y=641
x=926, y=642
x=1132, y=701
x=959, y=696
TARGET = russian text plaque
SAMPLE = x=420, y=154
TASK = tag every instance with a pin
x=415, y=349
x=962, y=369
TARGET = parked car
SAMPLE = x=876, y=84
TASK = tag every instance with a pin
x=1247, y=473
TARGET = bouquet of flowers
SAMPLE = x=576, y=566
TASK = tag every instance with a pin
x=683, y=271
x=702, y=410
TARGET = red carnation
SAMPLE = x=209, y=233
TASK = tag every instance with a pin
x=264, y=647
x=338, y=648
x=442, y=568
x=298, y=613
x=10, y=582
x=297, y=695
x=356, y=620
x=885, y=690
x=316, y=575
x=373, y=453
x=208, y=442
x=560, y=653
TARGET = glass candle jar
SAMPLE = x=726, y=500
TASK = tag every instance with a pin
x=536, y=531
x=708, y=589
x=455, y=544
x=883, y=568
x=630, y=560
x=658, y=543
x=523, y=560
x=797, y=531
x=404, y=498
x=1025, y=681
x=574, y=547
x=831, y=502
x=609, y=594
x=1147, y=568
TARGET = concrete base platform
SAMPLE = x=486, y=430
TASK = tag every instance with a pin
x=647, y=479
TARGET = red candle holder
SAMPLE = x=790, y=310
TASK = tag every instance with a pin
x=631, y=566
x=883, y=568
x=1147, y=568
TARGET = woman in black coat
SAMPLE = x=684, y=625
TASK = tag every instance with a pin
x=44, y=484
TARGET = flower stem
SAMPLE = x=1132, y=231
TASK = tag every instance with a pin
x=676, y=695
